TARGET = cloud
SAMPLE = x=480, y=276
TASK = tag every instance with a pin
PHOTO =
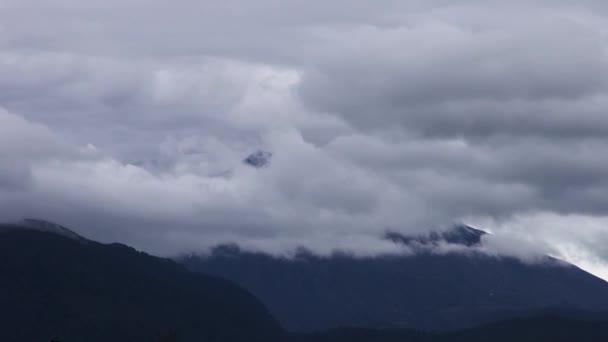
x=20, y=142
x=130, y=121
x=444, y=79
x=574, y=237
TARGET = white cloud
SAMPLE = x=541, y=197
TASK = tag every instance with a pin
x=130, y=120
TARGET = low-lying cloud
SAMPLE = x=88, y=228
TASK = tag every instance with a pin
x=130, y=121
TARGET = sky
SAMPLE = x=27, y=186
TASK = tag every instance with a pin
x=129, y=120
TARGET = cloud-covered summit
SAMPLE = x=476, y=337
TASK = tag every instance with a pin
x=131, y=119
x=258, y=159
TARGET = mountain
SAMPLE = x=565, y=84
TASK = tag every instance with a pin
x=427, y=291
x=549, y=327
x=54, y=284
x=258, y=159
x=458, y=235
x=42, y=226
x=546, y=327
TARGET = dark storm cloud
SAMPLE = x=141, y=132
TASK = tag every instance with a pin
x=131, y=119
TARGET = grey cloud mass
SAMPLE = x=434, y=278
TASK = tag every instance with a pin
x=130, y=120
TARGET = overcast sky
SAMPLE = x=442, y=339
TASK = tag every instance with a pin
x=128, y=120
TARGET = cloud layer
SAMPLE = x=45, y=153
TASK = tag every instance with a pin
x=131, y=119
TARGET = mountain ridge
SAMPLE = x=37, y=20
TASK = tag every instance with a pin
x=56, y=287
x=426, y=290
x=42, y=226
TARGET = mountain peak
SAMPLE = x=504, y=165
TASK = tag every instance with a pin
x=258, y=159
x=460, y=234
x=81, y=290
x=42, y=226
